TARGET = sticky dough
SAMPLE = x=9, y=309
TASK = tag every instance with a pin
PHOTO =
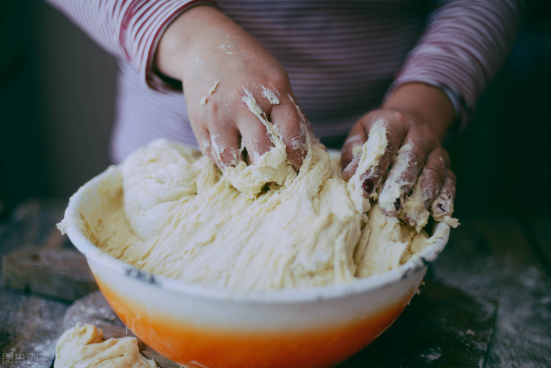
x=262, y=226
x=84, y=347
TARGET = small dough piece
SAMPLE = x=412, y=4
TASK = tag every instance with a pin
x=270, y=95
x=84, y=347
x=212, y=90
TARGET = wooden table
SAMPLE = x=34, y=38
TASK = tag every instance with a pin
x=486, y=301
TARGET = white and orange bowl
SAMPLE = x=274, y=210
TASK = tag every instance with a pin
x=197, y=325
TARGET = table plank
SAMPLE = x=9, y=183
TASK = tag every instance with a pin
x=52, y=272
x=492, y=257
x=30, y=325
x=442, y=327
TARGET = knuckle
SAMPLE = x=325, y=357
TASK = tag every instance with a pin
x=451, y=175
x=436, y=169
x=211, y=109
x=276, y=79
x=445, y=156
x=425, y=132
x=235, y=95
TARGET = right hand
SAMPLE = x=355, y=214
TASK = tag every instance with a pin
x=203, y=46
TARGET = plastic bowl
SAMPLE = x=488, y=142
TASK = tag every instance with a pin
x=196, y=325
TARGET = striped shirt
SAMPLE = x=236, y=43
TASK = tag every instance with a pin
x=342, y=57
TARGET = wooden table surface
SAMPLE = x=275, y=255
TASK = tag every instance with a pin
x=485, y=302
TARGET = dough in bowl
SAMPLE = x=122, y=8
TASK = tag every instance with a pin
x=170, y=211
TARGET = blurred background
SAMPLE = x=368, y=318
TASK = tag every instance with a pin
x=57, y=92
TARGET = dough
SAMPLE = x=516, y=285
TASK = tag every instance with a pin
x=262, y=226
x=84, y=347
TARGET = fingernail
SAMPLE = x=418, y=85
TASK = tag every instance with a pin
x=368, y=186
x=346, y=163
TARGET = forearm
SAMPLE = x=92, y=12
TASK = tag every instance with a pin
x=201, y=27
x=462, y=48
x=130, y=30
x=427, y=103
x=179, y=38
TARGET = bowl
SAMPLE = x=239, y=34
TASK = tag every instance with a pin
x=203, y=326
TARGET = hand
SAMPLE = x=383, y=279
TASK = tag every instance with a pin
x=419, y=175
x=219, y=63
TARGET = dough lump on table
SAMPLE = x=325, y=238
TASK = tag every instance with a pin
x=84, y=347
x=262, y=226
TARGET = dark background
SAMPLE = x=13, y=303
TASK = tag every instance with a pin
x=57, y=91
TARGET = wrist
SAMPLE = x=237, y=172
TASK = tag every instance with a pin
x=179, y=38
x=428, y=103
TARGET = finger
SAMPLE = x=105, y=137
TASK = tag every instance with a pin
x=254, y=126
x=225, y=145
x=396, y=129
x=427, y=188
x=443, y=206
x=254, y=137
x=405, y=170
x=204, y=141
x=293, y=131
x=395, y=136
x=351, y=151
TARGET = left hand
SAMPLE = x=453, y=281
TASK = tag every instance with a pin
x=414, y=153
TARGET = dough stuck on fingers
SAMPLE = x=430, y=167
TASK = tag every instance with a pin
x=443, y=206
x=397, y=185
x=416, y=207
x=370, y=155
x=270, y=95
x=212, y=90
x=84, y=347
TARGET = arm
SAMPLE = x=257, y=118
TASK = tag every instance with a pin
x=128, y=30
x=206, y=51
x=461, y=50
x=233, y=87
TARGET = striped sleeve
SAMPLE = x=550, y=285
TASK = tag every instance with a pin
x=464, y=45
x=128, y=29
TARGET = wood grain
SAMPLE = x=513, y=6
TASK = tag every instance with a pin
x=30, y=325
x=52, y=272
x=492, y=258
x=442, y=327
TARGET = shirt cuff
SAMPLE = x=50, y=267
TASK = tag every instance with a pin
x=142, y=27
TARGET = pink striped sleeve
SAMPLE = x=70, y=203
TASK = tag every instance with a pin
x=128, y=29
x=463, y=47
